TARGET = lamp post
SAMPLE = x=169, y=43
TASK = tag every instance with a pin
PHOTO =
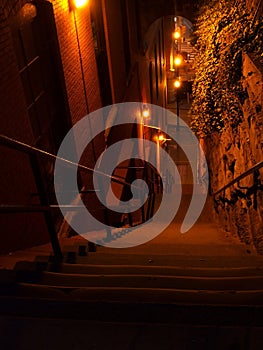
x=177, y=85
x=160, y=140
x=142, y=116
x=178, y=60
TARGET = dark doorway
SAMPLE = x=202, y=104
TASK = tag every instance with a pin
x=41, y=73
x=101, y=52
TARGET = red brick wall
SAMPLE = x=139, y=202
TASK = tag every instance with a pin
x=67, y=28
x=16, y=180
x=78, y=60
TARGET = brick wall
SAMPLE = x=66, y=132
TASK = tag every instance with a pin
x=77, y=48
x=16, y=179
x=78, y=62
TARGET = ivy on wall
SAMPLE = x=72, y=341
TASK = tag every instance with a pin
x=224, y=30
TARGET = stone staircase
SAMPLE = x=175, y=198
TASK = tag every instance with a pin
x=186, y=47
x=128, y=286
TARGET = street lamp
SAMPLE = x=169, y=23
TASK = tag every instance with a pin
x=178, y=60
x=177, y=34
x=141, y=116
x=160, y=139
x=175, y=61
x=177, y=85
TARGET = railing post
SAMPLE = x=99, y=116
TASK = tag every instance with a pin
x=44, y=200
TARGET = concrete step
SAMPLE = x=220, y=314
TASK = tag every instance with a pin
x=145, y=283
x=83, y=334
x=244, y=283
x=149, y=293
x=160, y=270
x=127, y=295
x=153, y=259
x=136, y=312
x=31, y=268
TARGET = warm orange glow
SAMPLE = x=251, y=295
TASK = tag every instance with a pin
x=161, y=138
x=177, y=34
x=79, y=3
x=178, y=60
x=146, y=112
x=177, y=83
x=172, y=62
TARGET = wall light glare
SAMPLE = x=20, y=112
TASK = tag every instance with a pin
x=161, y=137
x=145, y=112
x=177, y=34
x=76, y=4
x=178, y=60
x=177, y=83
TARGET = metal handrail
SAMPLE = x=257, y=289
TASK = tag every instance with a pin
x=34, y=151
x=248, y=172
x=44, y=205
x=31, y=150
x=256, y=12
x=9, y=208
x=23, y=147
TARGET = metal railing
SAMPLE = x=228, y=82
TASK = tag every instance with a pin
x=257, y=10
x=250, y=190
x=45, y=206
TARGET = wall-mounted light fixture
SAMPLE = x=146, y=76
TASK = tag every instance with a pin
x=177, y=83
x=178, y=60
x=177, y=34
x=145, y=111
x=76, y=4
x=162, y=138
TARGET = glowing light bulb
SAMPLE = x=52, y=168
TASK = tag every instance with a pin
x=146, y=112
x=177, y=83
x=177, y=34
x=178, y=60
x=79, y=3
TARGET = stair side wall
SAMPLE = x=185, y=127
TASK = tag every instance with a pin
x=236, y=151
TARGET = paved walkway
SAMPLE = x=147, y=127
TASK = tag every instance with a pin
x=205, y=242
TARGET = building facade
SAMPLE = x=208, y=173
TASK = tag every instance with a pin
x=59, y=63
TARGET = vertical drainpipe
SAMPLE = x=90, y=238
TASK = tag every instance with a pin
x=84, y=82
x=105, y=23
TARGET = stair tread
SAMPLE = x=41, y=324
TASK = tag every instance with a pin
x=162, y=270
x=141, y=295
x=153, y=281
x=146, y=268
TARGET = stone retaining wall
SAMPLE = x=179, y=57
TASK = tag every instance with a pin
x=240, y=211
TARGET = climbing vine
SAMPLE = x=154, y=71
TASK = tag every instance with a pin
x=224, y=30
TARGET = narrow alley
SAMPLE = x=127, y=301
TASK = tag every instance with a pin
x=131, y=174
